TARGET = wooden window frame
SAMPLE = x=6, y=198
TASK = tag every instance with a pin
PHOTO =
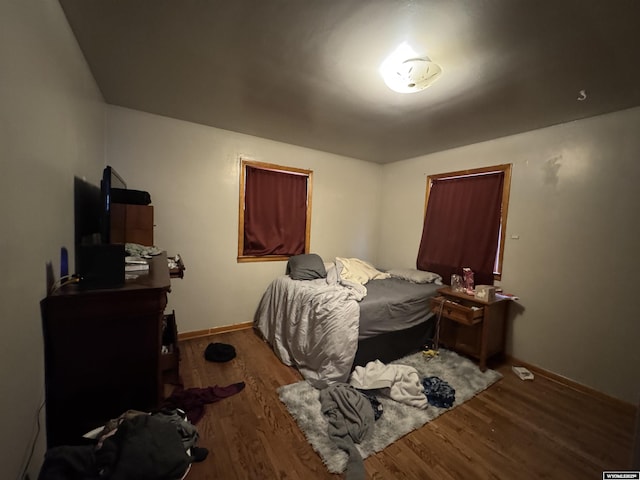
x=244, y=163
x=504, y=206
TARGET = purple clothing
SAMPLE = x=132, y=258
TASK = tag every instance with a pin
x=193, y=400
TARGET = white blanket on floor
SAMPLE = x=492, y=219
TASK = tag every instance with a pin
x=401, y=383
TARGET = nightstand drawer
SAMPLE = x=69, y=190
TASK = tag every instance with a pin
x=456, y=311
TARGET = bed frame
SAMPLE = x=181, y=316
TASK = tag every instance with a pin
x=393, y=345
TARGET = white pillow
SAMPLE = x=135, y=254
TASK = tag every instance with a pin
x=416, y=276
x=358, y=271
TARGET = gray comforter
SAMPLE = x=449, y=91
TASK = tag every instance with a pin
x=312, y=325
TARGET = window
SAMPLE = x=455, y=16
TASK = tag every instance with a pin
x=465, y=217
x=275, y=212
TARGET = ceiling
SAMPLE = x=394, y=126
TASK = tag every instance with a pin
x=305, y=72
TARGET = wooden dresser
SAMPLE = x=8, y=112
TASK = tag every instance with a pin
x=103, y=352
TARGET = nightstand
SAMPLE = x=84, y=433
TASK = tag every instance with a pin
x=469, y=325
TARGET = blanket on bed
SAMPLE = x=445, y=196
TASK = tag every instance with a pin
x=312, y=325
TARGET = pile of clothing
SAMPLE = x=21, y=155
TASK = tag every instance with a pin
x=403, y=384
x=136, y=445
x=352, y=409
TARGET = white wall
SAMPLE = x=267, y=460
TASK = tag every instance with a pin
x=575, y=206
x=192, y=174
x=51, y=129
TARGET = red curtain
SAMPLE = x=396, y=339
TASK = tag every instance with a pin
x=275, y=212
x=461, y=226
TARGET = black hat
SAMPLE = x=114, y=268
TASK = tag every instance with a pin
x=219, y=352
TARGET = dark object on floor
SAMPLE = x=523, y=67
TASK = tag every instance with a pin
x=70, y=463
x=198, y=454
x=143, y=447
x=219, y=352
x=439, y=393
x=193, y=400
x=147, y=448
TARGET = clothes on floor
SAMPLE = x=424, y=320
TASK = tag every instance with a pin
x=70, y=463
x=351, y=418
x=112, y=425
x=198, y=454
x=400, y=382
x=187, y=431
x=219, y=352
x=177, y=417
x=147, y=448
x=378, y=409
x=143, y=447
x=439, y=393
x=134, y=446
x=193, y=400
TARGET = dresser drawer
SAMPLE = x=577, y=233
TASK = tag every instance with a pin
x=456, y=311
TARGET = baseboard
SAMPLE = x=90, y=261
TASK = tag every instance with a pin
x=626, y=407
x=213, y=331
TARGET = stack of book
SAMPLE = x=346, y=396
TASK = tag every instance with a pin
x=135, y=264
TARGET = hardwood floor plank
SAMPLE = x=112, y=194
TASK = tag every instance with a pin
x=513, y=430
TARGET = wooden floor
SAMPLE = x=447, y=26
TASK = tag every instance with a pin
x=514, y=430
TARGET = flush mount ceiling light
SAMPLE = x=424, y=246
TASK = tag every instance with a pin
x=404, y=71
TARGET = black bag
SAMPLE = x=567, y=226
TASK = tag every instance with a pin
x=132, y=197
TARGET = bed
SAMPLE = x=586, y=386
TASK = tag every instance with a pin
x=326, y=319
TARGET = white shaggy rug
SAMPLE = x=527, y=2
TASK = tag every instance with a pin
x=303, y=403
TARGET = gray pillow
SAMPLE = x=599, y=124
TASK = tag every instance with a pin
x=416, y=276
x=306, y=267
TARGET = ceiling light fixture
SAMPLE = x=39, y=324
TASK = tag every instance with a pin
x=404, y=71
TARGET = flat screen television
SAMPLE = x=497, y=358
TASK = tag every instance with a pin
x=110, y=181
